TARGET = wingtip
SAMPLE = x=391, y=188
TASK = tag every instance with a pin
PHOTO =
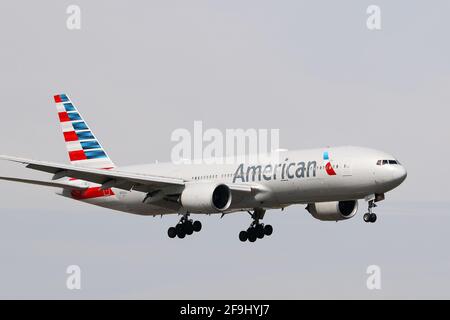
x=14, y=159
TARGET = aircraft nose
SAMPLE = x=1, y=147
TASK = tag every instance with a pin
x=399, y=174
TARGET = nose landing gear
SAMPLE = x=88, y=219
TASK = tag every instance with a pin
x=185, y=227
x=256, y=230
x=370, y=217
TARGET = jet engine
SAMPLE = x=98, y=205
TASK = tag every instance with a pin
x=206, y=197
x=333, y=211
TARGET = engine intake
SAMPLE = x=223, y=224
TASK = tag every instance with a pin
x=333, y=211
x=206, y=197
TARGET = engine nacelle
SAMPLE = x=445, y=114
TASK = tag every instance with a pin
x=333, y=211
x=206, y=197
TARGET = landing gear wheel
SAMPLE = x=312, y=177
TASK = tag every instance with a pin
x=256, y=230
x=268, y=230
x=180, y=231
x=197, y=226
x=243, y=236
x=370, y=216
x=188, y=228
x=252, y=235
x=172, y=232
x=181, y=235
x=184, y=228
x=259, y=231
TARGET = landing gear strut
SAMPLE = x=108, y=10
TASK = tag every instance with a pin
x=370, y=217
x=256, y=230
x=185, y=227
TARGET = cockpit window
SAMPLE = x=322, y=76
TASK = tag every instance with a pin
x=384, y=162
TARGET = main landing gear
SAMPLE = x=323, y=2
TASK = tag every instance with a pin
x=370, y=217
x=256, y=230
x=185, y=227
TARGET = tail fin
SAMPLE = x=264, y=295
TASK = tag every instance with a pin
x=83, y=148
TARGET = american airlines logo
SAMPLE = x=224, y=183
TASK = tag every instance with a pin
x=328, y=166
x=280, y=171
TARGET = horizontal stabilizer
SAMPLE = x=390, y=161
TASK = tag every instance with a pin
x=45, y=183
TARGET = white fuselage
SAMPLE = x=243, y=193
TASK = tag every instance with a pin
x=297, y=177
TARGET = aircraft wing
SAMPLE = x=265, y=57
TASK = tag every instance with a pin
x=106, y=178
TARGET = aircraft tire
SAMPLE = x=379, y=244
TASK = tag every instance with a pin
x=259, y=229
x=180, y=231
x=243, y=236
x=268, y=230
x=188, y=228
x=197, y=226
x=252, y=236
x=172, y=232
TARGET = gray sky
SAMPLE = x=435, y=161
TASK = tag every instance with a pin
x=312, y=69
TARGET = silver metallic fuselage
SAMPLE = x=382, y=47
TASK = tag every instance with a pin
x=357, y=176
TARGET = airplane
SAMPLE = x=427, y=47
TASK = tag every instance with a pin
x=329, y=181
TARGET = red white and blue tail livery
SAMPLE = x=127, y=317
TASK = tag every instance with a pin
x=83, y=147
